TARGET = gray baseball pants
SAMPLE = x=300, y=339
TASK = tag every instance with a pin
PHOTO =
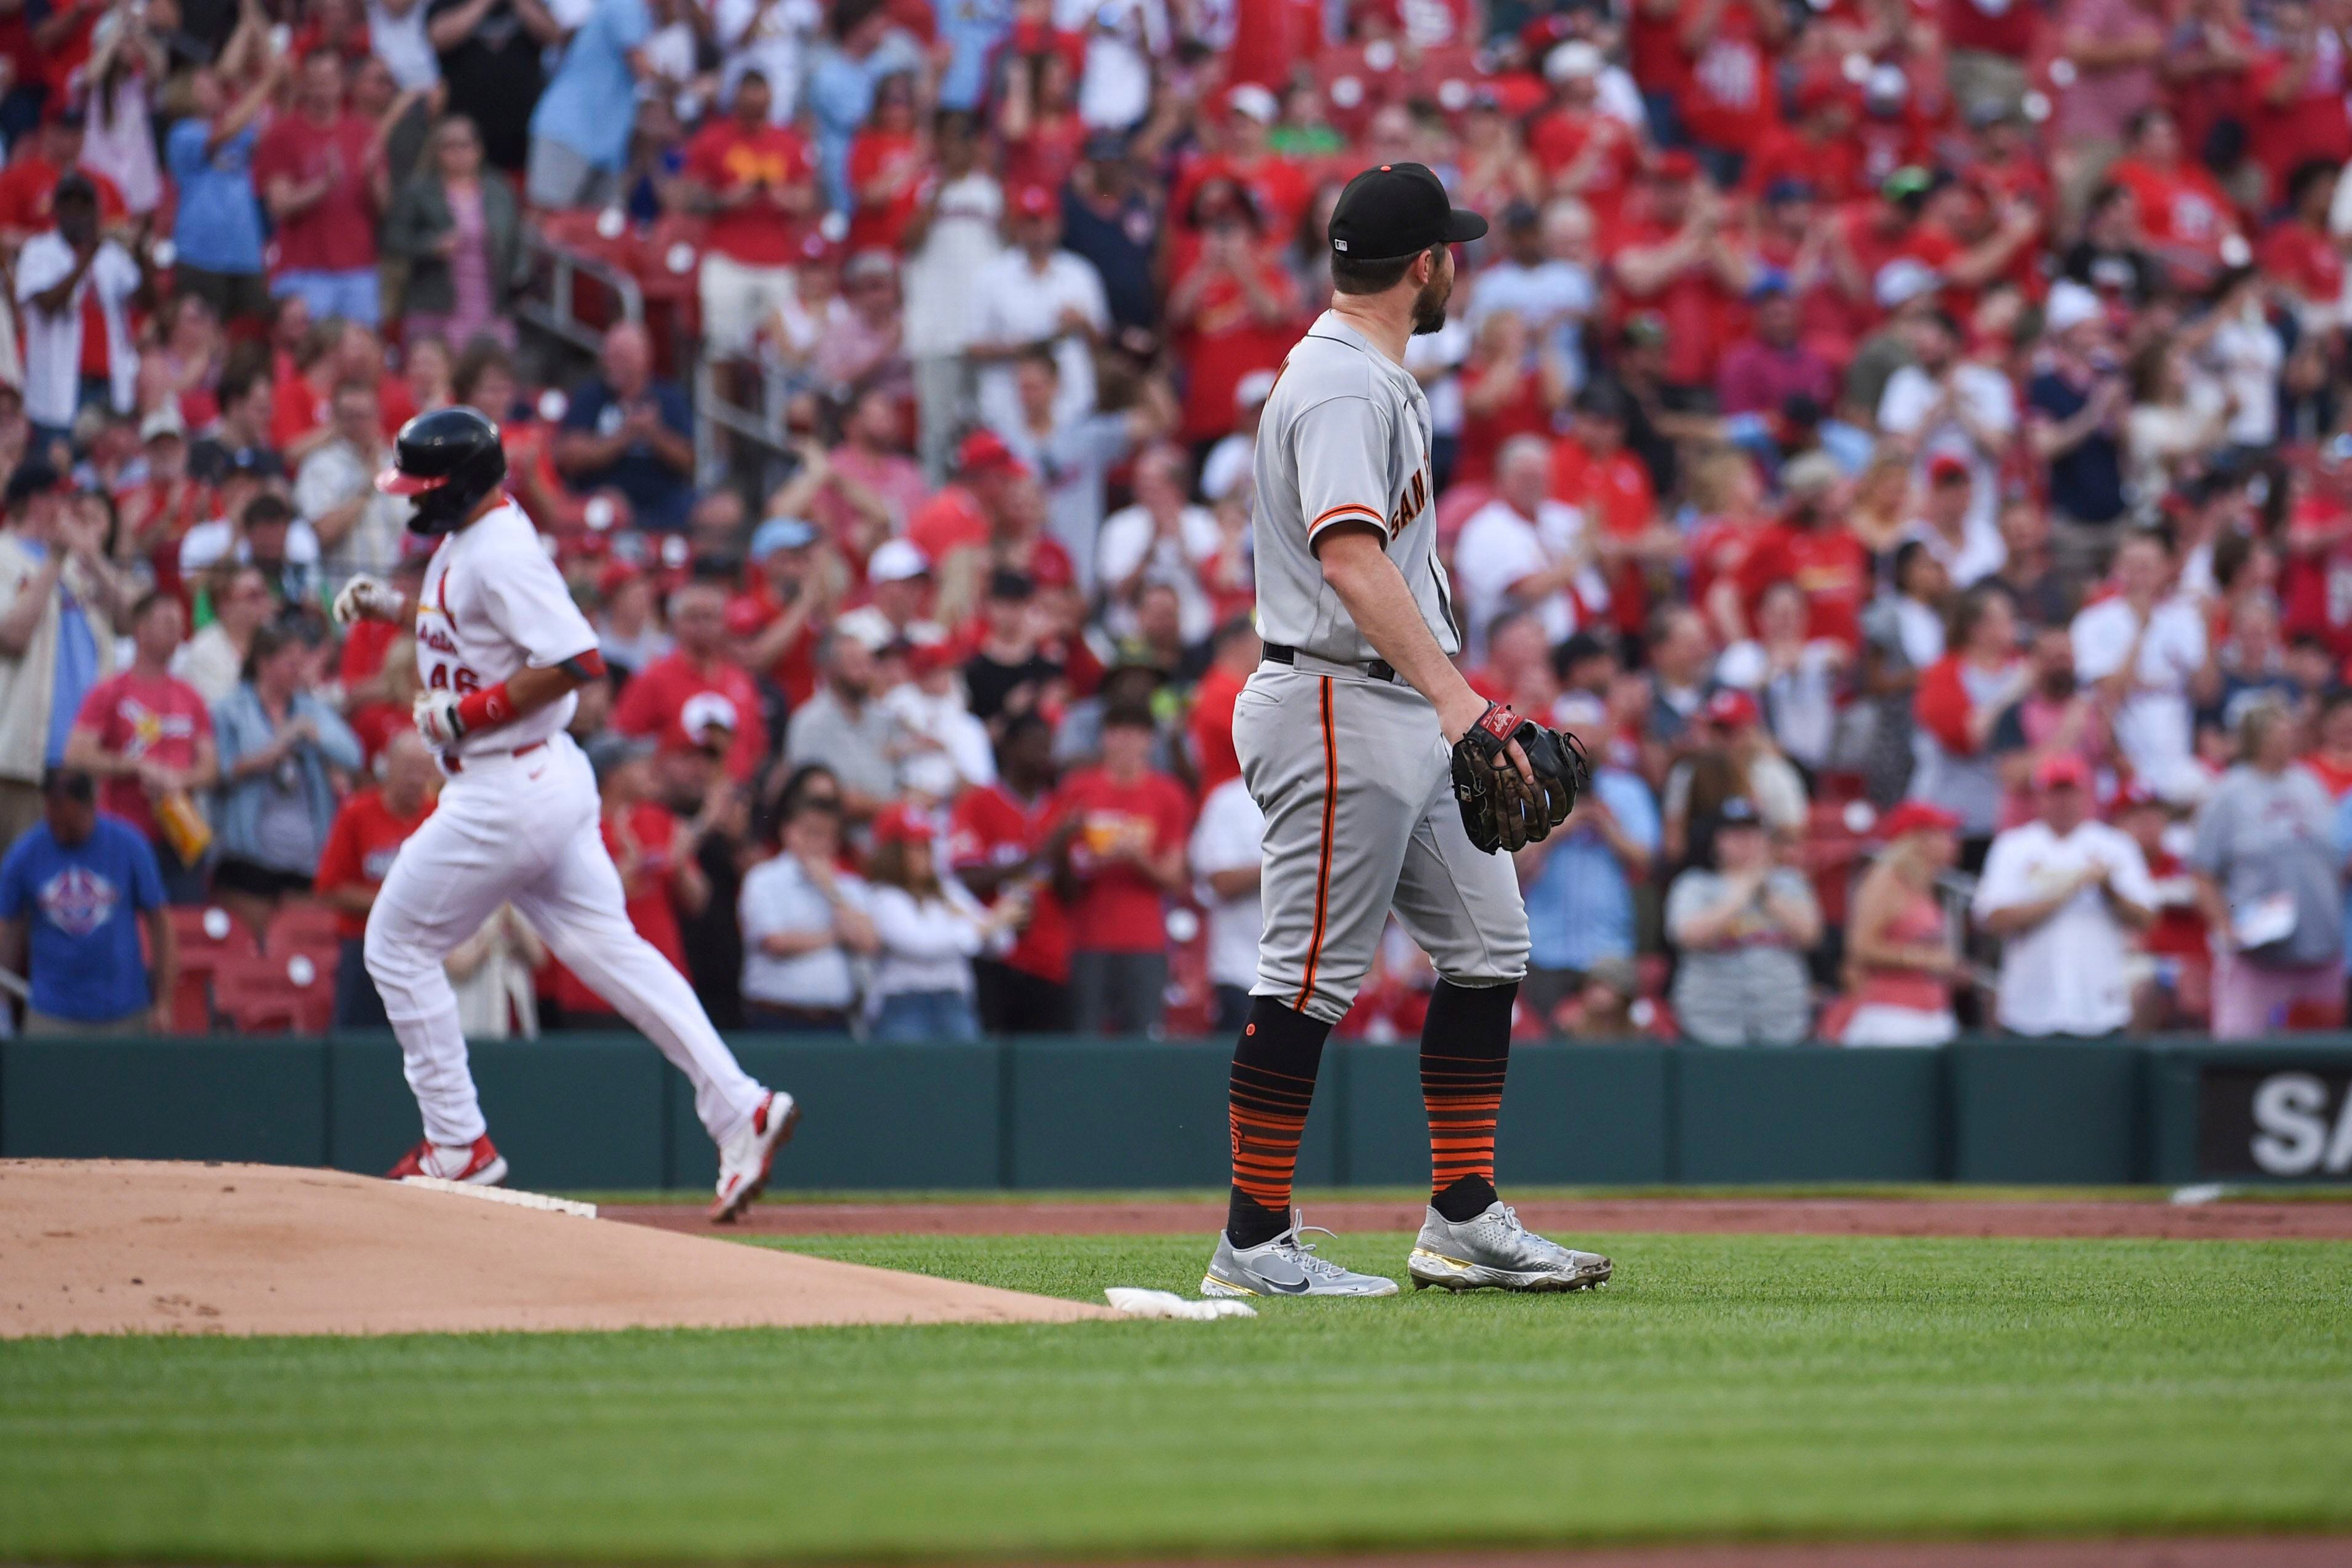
x=1354, y=778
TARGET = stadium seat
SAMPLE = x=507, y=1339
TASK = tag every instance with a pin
x=267, y=994
x=305, y=926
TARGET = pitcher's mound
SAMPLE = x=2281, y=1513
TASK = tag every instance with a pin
x=125, y=1246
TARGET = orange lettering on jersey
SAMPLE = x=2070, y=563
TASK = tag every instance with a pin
x=1408, y=506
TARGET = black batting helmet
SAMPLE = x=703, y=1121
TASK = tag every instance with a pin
x=449, y=459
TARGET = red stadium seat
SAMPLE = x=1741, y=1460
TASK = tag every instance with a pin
x=262, y=994
x=304, y=926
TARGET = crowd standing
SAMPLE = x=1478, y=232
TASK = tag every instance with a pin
x=1907, y=443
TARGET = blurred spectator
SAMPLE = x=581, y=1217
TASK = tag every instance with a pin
x=1901, y=958
x=696, y=700
x=460, y=231
x=1074, y=454
x=847, y=728
x=926, y=933
x=2077, y=402
x=755, y=181
x=490, y=53
x=280, y=745
x=777, y=622
x=866, y=49
x=2065, y=894
x=654, y=853
x=627, y=432
x=217, y=232
x=1959, y=702
x=1735, y=759
x=239, y=440
x=578, y=134
x=1126, y=855
x=2053, y=719
x=72, y=888
x=1741, y=927
x=148, y=736
x=1964, y=537
x=369, y=828
x=1228, y=854
x=1234, y=655
x=1762, y=372
x=803, y=920
x=1005, y=841
x=491, y=972
x=1230, y=469
x=1162, y=540
x=1903, y=636
x=1232, y=311
x=1523, y=551
x=77, y=287
x=951, y=241
x=1036, y=294
x=1544, y=276
x=212, y=661
x=1112, y=219
x=1608, y=1007
x=357, y=527
x=1794, y=679
x=2141, y=647
x=57, y=601
x=265, y=534
x=2267, y=880
x=944, y=750
x=1584, y=883
x=315, y=169
x=1955, y=407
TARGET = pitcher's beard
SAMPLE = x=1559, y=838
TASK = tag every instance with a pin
x=1429, y=305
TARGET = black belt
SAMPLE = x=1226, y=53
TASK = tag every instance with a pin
x=1378, y=669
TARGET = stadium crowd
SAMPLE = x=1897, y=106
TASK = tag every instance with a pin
x=1906, y=441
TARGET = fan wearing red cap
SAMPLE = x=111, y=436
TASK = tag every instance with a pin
x=2065, y=893
x=759, y=185
x=1036, y=292
x=1900, y=947
x=696, y=699
x=981, y=499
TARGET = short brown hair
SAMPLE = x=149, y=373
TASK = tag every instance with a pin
x=1350, y=276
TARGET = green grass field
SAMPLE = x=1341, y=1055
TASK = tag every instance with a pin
x=1721, y=1388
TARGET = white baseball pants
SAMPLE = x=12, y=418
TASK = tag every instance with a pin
x=523, y=830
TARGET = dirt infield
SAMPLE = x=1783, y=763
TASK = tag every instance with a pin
x=123, y=1247
x=2254, y=1552
x=1574, y=1216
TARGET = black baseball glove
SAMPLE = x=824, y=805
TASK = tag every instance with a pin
x=1500, y=809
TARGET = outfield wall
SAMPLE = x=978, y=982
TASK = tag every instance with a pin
x=603, y=1111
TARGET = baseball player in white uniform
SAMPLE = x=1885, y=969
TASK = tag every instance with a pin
x=503, y=649
x=1355, y=737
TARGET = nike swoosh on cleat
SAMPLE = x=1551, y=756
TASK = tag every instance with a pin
x=1298, y=1289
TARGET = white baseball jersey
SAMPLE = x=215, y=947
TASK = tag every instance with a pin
x=1345, y=438
x=492, y=604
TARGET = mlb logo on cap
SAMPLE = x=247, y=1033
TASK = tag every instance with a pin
x=1398, y=210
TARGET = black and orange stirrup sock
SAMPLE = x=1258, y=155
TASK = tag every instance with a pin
x=1275, y=1062
x=1466, y=1046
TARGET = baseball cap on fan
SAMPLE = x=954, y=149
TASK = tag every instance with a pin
x=1398, y=210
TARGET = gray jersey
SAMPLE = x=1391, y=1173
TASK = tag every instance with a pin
x=1345, y=438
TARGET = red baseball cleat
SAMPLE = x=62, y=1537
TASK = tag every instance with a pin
x=477, y=1165
x=744, y=1160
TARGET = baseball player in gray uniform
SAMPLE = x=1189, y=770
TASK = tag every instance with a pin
x=1351, y=736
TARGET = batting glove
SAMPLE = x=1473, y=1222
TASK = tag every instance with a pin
x=436, y=719
x=366, y=598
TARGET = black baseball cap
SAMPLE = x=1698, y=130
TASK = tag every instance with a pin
x=1398, y=210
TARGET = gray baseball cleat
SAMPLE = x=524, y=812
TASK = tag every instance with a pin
x=1493, y=1248
x=1284, y=1267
